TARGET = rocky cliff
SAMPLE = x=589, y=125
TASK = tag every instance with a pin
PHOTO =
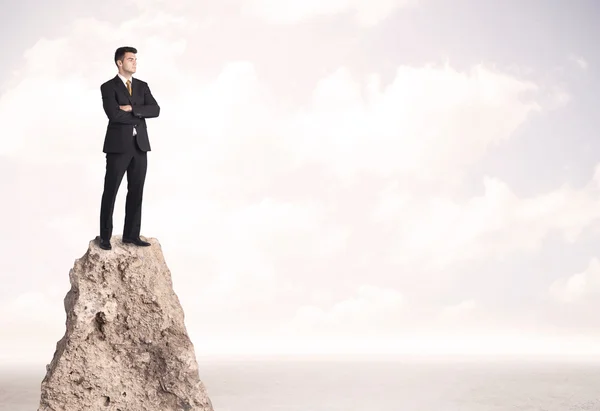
x=126, y=347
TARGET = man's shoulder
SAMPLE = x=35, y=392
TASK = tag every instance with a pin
x=107, y=83
x=135, y=79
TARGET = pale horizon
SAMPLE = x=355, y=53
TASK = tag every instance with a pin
x=337, y=177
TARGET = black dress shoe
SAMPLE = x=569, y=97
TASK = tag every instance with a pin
x=136, y=241
x=105, y=244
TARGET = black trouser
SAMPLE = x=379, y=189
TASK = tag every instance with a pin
x=135, y=163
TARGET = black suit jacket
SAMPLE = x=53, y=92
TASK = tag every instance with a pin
x=119, y=131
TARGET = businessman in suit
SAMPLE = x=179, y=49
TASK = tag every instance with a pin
x=127, y=102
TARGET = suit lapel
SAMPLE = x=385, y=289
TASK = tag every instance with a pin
x=135, y=89
x=121, y=86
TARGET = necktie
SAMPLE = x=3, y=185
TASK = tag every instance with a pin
x=129, y=86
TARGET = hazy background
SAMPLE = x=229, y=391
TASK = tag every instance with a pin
x=377, y=176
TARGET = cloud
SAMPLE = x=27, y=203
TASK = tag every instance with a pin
x=367, y=13
x=437, y=232
x=583, y=287
x=28, y=318
x=580, y=61
x=72, y=120
x=427, y=121
x=370, y=310
x=457, y=312
x=263, y=198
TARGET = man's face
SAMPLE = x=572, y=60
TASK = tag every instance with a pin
x=129, y=62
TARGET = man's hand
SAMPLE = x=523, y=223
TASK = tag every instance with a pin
x=125, y=108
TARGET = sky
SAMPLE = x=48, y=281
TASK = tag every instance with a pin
x=326, y=177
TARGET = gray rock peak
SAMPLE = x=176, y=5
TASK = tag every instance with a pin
x=126, y=347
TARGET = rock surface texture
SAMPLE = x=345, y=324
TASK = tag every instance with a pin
x=125, y=347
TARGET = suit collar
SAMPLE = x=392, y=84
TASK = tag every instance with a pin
x=121, y=86
x=123, y=79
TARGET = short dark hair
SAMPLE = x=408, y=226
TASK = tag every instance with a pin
x=120, y=53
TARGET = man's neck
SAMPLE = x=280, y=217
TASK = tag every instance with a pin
x=127, y=76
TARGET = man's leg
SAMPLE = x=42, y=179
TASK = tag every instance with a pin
x=136, y=176
x=116, y=165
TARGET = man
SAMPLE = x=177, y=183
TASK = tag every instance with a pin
x=127, y=103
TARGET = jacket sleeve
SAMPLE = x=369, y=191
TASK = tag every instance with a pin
x=150, y=108
x=112, y=110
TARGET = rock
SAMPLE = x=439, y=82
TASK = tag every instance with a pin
x=126, y=347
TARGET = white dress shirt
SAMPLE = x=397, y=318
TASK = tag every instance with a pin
x=125, y=82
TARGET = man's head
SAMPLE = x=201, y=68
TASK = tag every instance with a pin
x=126, y=60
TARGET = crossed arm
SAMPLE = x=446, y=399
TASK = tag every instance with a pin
x=149, y=109
x=111, y=107
x=128, y=114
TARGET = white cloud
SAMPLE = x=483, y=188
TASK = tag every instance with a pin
x=371, y=310
x=235, y=263
x=580, y=61
x=366, y=12
x=582, y=287
x=260, y=203
x=391, y=203
x=437, y=232
x=72, y=120
x=427, y=121
x=32, y=317
x=456, y=312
